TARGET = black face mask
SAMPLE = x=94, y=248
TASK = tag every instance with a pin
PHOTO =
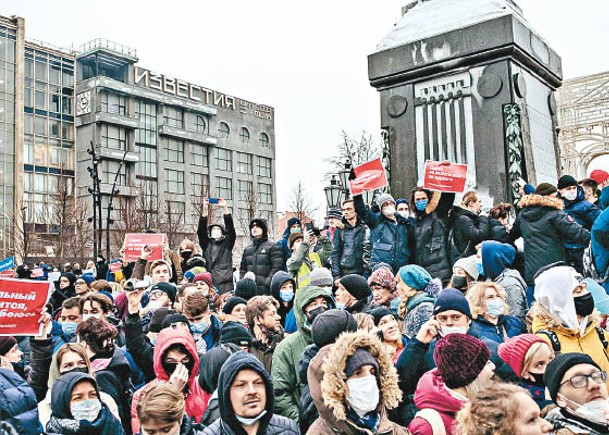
x=77, y=370
x=459, y=282
x=186, y=254
x=584, y=305
x=316, y=312
x=171, y=367
x=538, y=382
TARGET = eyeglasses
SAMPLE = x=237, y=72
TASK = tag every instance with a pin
x=582, y=381
x=156, y=294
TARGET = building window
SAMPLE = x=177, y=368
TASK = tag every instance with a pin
x=147, y=164
x=174, y=181
x=110, y=169
x=244, y=135
x=199, y=155
x=223, y=130
x=174, y=150
x=113, y=103
x=147, y=131
x=245, y=190
x=266, y=193
x=113, y=137
x=200, y=124
x=224, y=160
x=224, y=188
x=264, y=140
x=173, y=117
x=245, y=163
x=264, y=167
x=199, y=184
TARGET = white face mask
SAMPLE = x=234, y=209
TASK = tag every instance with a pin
x=445, y=330
x=363, y=394
x=592, y=411
x=570, y=196
x=389, y=211
x=404, y=213
x=249, y=421
x=154, y=305
x=89, y=316
x=494, y=307
x=216, y=233
x=86, y=410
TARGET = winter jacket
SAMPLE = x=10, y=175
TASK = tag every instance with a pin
x=538, y=393
x=581, y=210
x=211, y=337
x=431, y=229
x=287, y=355
x=218, y=254
x=496, y=260
x=545, y=229
x=348, y=249
x=308, y=412
x=228, y=424
x=432, y=394
x=327, y=382
x=497, y=231
x=302, y=262
x=18, y=404
x=196, y=398
x=600, y=244
x=469, y=229
x=62, y=422
x=507, y=327
x=567, y=424
x=264, y=258
x=277, y=281
x=283, y=243
x=41, y=355
x=392, y=241
x=139, y=346
x=419, y=310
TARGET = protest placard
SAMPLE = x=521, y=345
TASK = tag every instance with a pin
x=7, y=263
x=115, y=266
x=37, y=273
x=21, y=303
x=369, y=176
x=134, y=242
x=445, y=176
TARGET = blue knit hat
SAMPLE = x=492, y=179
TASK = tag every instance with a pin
x=414, y=276
x=451, y=299
x=400, y=201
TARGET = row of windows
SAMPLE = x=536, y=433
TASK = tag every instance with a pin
x=244, y=135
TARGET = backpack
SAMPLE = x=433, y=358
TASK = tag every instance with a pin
x=556, y=346
x=590, y=267
x=434, y=419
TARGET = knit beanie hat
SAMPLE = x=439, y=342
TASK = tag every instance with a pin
x=556, y=369
x=545, y=189
x=328, y=325
x=356, y=285
x=566, y=181
x=232, y=303
x=156, y=321
x=379, y=312
x=401, y=201
x=191, y=273
x=599, y=176
x=236, y=333
x=451, y=299
x=246, y=288
x=414, y=276
x=174, y=318
x=205, y=277
x=383, y=276
x=88, y=278
x=335, y=213
x=6, y=344
x=167, y=288
x=360, y=358
x=383, y=198
x=514, y=350
x=293, y=238
x=460, y=358
x=469, y=265
x=321, y=277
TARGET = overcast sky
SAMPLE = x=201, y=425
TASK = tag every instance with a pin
x=306, y=59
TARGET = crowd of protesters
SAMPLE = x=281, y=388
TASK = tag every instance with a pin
x=421, y=315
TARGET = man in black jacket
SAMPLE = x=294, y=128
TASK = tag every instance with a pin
x=262, y=258
x=350, y=245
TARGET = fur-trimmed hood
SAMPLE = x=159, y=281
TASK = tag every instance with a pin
x=544, y=201
x=327, y=379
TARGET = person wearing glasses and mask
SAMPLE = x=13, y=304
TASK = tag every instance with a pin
x=578, y=386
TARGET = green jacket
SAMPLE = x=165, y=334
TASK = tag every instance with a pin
x=286, y=357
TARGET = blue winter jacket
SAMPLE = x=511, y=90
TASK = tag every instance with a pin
x=18, y=403
x=600, y=237
x=507, y=327
x=583, y=212
x=391, y=241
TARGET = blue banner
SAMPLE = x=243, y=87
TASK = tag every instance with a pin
x=7, y=263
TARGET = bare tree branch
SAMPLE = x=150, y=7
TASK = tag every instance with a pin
x=300, y=202
x=357, y=150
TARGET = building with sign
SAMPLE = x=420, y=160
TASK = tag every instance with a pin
x=155, y=144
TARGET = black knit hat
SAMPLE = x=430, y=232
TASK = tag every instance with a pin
x=174, y=318
x=167, y=288
x=236, y=333
x=356, y=285
x=379, y=312
x=7, y=343
x=451, y=299
x=328, y=325
x=246, y=289
x=156, y=321
x=545, y=189
x=566, y=181
x=232, y=303
x=360, y=358
x=556, y=369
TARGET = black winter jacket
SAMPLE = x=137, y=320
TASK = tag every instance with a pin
x=545, y=228
x=218, y=254
x=348, y=249
x=308, y=412
x=497, y=232
x=469, y=229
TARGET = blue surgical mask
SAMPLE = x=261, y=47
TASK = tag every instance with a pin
x=199, y=328
x=86, y=410
x=495, y=307
x=421, y=204
x=340, y=306
x=295, y=230
x=286, y=295
x=69, y=327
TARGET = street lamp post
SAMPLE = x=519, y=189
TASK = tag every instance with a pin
x=333, y=193
x=344, y=179
x=113, y=193
x=95, y=193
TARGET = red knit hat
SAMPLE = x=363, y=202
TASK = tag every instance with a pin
x=460, y=358
x=383, y=276
x=205, y=277
x=514, y=350
x=599, y=176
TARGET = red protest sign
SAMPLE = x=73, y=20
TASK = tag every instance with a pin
x=21, y=302
x=369, y=176
x=134, y=242
x=116, y=266
x=37, y=273
x=445, y=177
x=7, y=273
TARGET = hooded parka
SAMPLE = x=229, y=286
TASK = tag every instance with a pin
x=263, y=257
x=218, y=253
